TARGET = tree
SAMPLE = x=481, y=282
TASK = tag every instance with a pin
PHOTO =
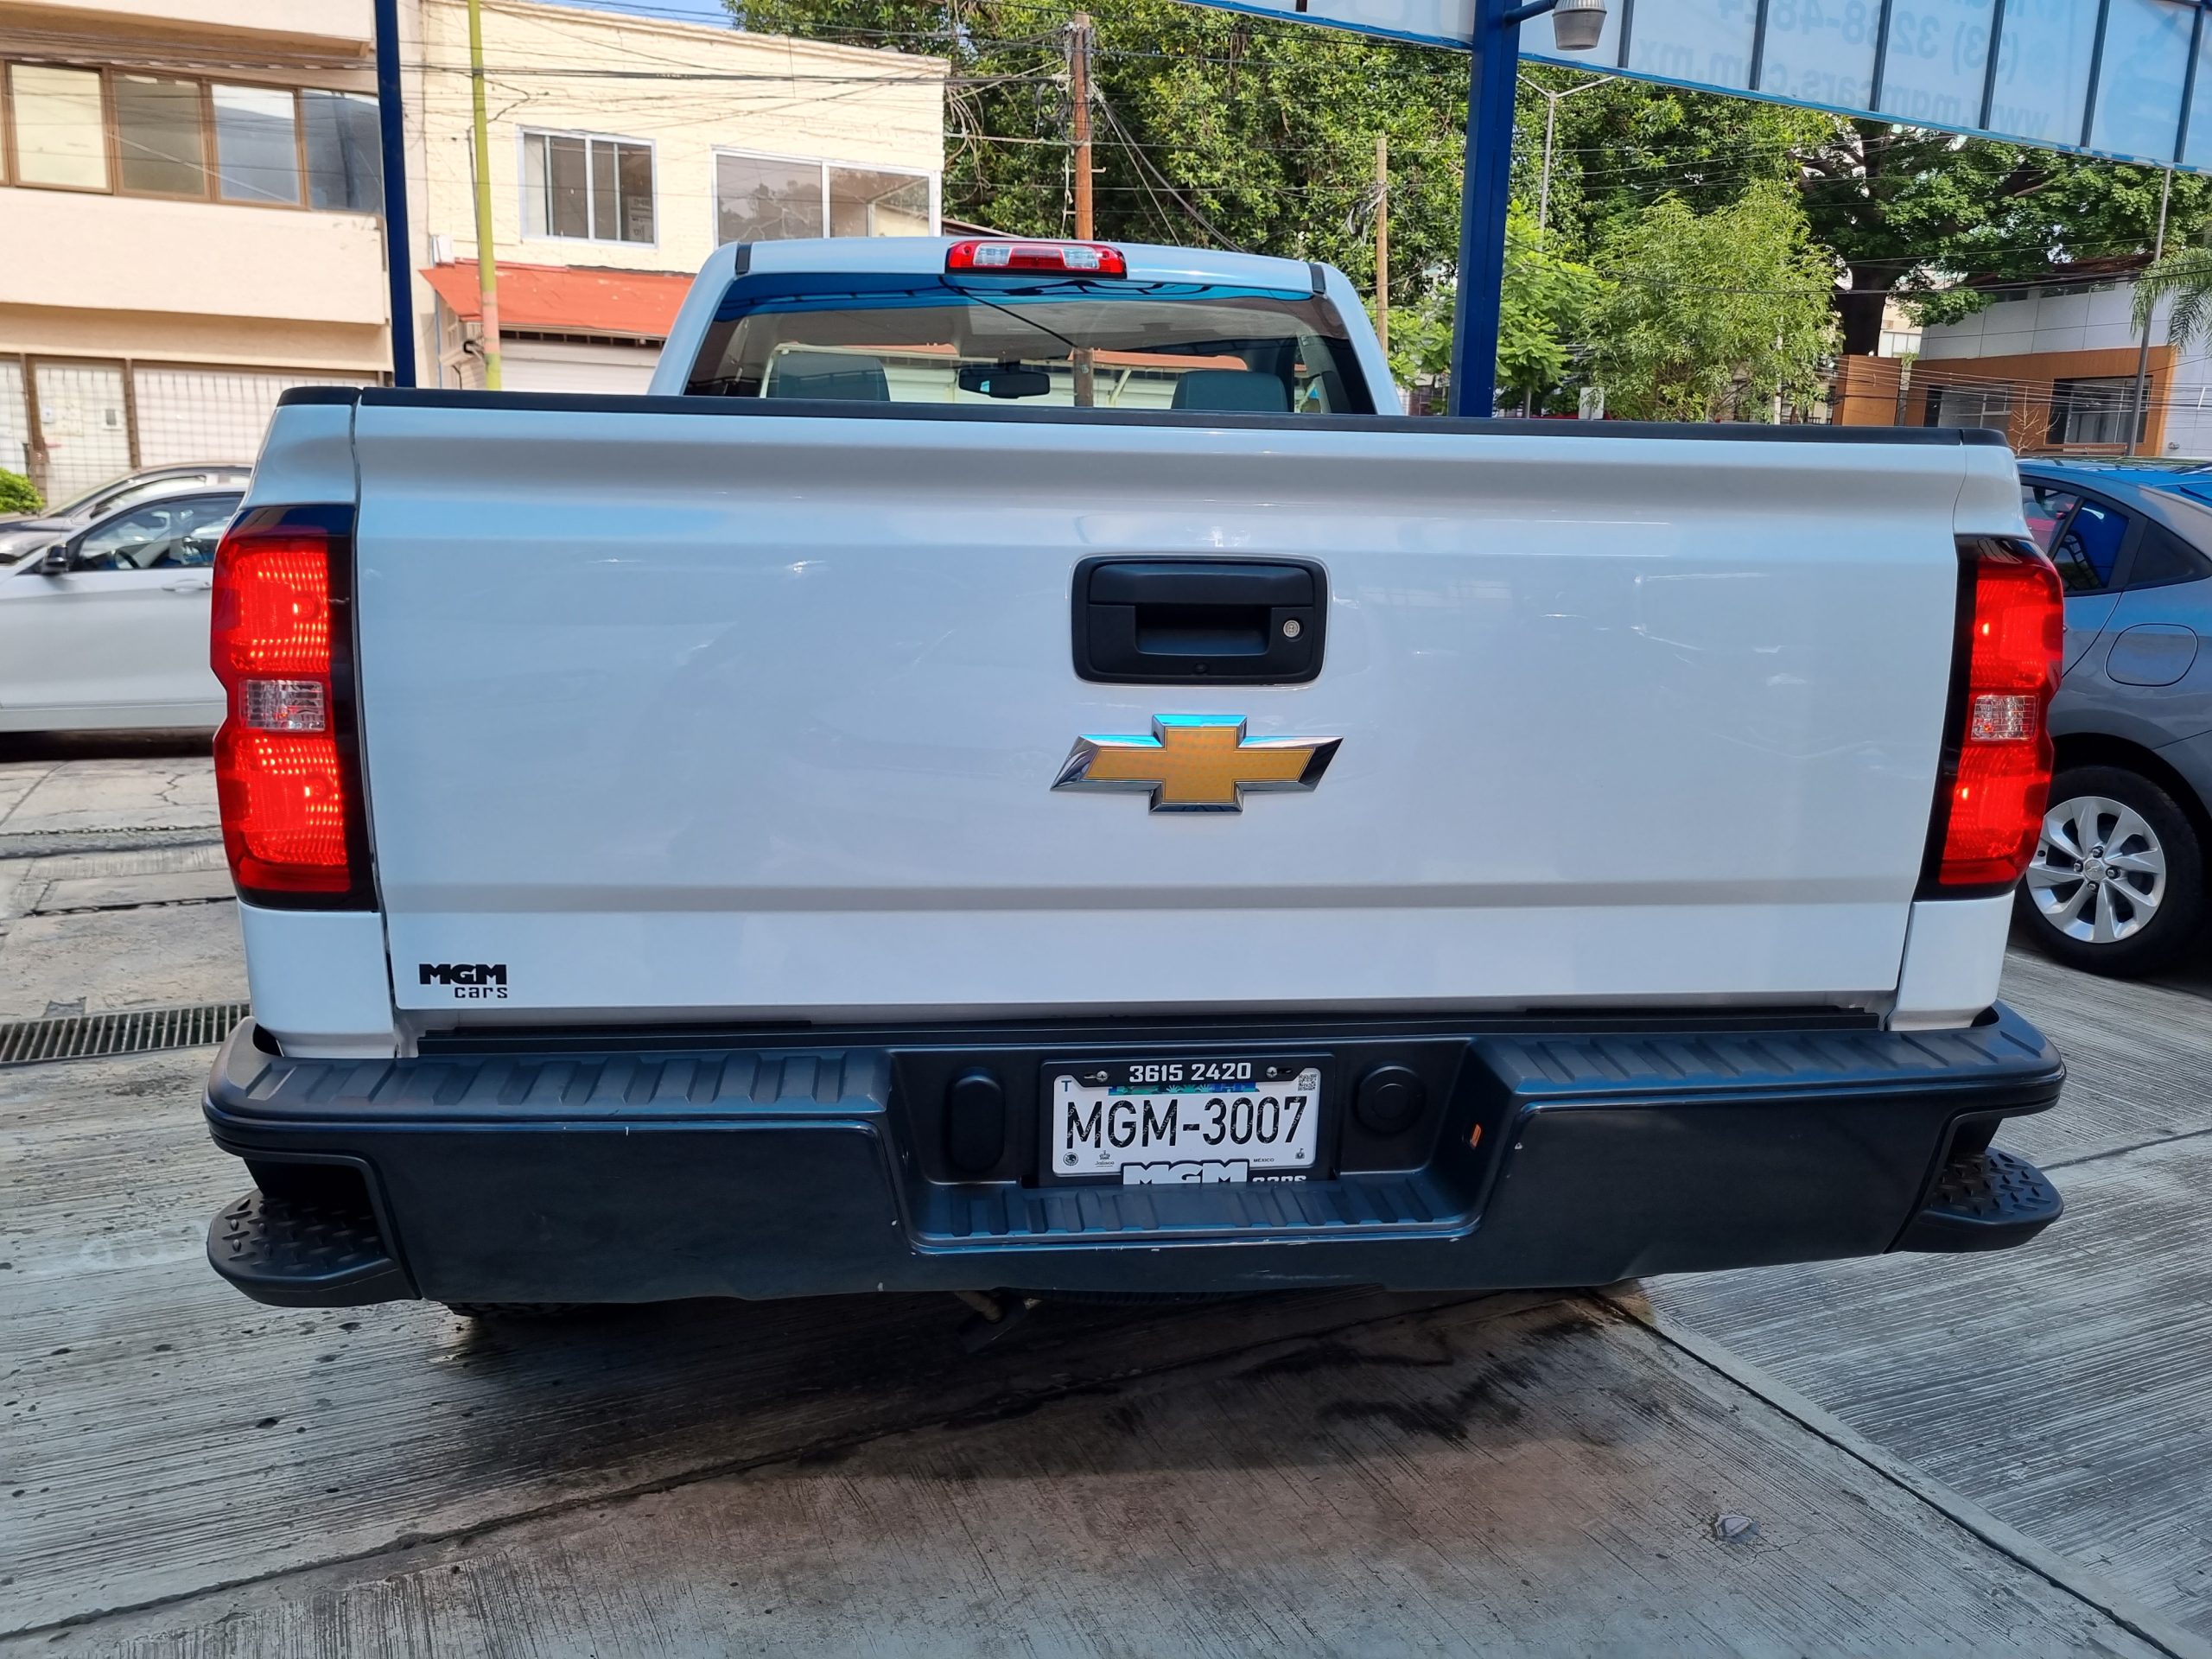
x=1543, y=312
x=1544, y=307
x=1945, y=223
x=18, y=493
x=1709, y=316
x=1222, y=129
x=1950, y=223
x=2185, y=277
x=1212, y=127
x=1623, y=145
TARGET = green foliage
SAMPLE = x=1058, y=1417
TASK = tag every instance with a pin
x=1943, y=222
x=18, y=493
x=2185, y=277
x=1710, y=315
x=1545, y=305
x=1221, y=130
x=1949, y=224
x=1211, y=128
x=1623, y=144
x=1543, y=313
x=1420, y=336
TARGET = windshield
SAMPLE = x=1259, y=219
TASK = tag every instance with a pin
x=1040, y=341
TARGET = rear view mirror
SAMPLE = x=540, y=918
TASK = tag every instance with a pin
x=1005, y=380
x=54, y=561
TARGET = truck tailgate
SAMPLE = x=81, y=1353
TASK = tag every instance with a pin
x=713, y=713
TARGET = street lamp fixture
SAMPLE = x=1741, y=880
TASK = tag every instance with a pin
x=1576, y=24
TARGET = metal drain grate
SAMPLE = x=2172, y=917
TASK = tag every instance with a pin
x=94, y=1036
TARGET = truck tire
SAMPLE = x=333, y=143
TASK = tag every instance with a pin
x=2131, y=901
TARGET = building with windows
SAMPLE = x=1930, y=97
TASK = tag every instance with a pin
x=2055, y=371
x=188, y=201
x=191, y=198
x=624, y=150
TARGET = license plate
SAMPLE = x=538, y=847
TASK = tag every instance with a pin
x=1182, y=1122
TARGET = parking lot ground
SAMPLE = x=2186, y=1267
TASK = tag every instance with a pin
x=113, y=892
x=183, y=1471
x=120, y=789
x=1318, y=1473
x=2067, y=1386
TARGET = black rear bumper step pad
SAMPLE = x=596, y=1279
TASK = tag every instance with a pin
x=298, y=1252
x=780, y=1168
x=1990, y=1201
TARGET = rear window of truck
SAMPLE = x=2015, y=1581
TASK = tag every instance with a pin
x=1030, y=341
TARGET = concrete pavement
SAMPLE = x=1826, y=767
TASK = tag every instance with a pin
x=113, y=892
x=183, y=1471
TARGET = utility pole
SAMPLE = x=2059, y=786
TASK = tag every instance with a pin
x=2143, y=348
x=391, y=136
x=487, y=265
x=1382, y=238
x=1079, y=98
x=1552, y=101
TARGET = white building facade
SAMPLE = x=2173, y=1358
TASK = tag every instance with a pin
x=2056, y=368
x=623, y=150
x=189, y=202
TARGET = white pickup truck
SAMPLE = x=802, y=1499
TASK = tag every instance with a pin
x=1006, y=772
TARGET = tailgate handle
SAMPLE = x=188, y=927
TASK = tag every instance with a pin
x=1199, y=621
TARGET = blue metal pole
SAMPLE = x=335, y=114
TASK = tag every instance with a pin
x=399, y=267
x=1481, y=210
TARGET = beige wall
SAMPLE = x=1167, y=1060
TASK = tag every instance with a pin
x=138, y=330
x=136, y=255
x=149, y=337
x=820, y=102
x=328, y=19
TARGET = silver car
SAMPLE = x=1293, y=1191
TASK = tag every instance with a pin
x=2118, y=883
x=107, y=628
x=24, y=533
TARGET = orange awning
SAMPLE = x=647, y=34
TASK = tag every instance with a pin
x=569, y=299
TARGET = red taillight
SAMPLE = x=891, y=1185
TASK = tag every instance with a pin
x=281, y=778
x=1994, y=795
x=1074, y=258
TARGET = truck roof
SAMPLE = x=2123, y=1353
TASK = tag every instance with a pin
x=924, y=255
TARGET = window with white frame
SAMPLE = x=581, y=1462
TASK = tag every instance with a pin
x=773, y=198
x=1966, y=406
x=590, y=188
x=2096, y=412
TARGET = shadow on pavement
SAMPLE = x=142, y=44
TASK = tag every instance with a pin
x=103, y=746
x=2193, y=975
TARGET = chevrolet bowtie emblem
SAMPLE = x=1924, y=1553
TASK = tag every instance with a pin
x=1196, y=763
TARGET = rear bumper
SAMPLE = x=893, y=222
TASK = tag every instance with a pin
x=1540, y=1159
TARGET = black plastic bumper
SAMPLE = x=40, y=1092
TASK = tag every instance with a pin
x=762, y=1169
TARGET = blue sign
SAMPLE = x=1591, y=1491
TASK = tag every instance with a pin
x=2127, y=79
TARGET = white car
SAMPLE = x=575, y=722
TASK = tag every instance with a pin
x=106, y=627
x=1007, y=772
x=20, y=532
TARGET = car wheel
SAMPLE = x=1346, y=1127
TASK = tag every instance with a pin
x=2117, y=884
